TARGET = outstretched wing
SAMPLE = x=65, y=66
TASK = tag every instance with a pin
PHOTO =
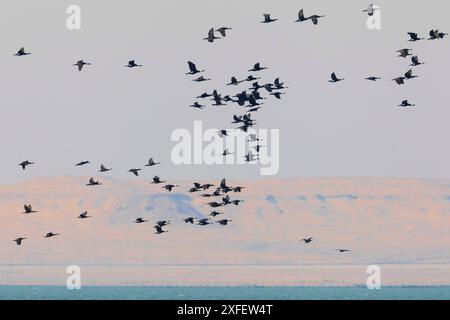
x=192, y=67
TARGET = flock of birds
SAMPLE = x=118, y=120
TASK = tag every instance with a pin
x=252, y=100
x=222, y=191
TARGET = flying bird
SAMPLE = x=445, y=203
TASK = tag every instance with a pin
x=151, y=163
x=135, y=171
x=370, y=9
x=203, y=222
x=211, y=36
x=315, y=18
x=267, y=18
x=373, y=78
x=214, y=204
x=342, y=250
x=22, y=52
x=415, y=61
x=307, y=240
x=257, y=67
x=406, y=104
x=92, y=182
x=277, y=94
x=80, y=64
x=84, y=215
x=435, y=35
x=409, y=75
x=334, y=78
x=26, y=163
x=104, y=169
x=189, y=220
x=140, y=220
x=156, y=180
x=215, y=213
x=224, y=222
x=51, y=234
x=414, y=37
x=301, y=16
x=132, y=64
x=82, y=163
x=399, y=80
x=163, y=223
x=159, y=229
x=234, y=82
x=169, y=187
x=201, y=79
x=404, y=52
x=197, y=105
x=223, y=31
x=193, y=68
x=18, y=241
x=28, y=209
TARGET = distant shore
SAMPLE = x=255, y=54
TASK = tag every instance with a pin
x=240, y=275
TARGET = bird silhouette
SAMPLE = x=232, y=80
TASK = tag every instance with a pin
x=151, y=163
x=22, y=52
x=224, y=222
x=406, y=104
x=203, y=222
x=84, y=215
x=334, y=78
x=193, y=68
x=307, y=240
x=132, y=64
x=342, y=250
x=140, y=220
x=201, y=79
x=159, y=229
x=211, y=36
x=214, y=204
x=234, y=82
x=315, y=18
x=257, y=67
x=197, y=105
x=370, y=9
x=82, y=163
x=277, y=94
x=157, y=180
x=51, y=234
x=373, y=78
x=80, y=64
x=399, y=80
x=267, y=18
x=301, y=16
x=409, y=75
x=223, y=31
x=215, y=213
x=104, y=169
x=28, y=209
x=435, y=35
x=415, y=61
x=169, y=187
x=25, y=164
x=404, y=52
x=414, y=37
x=19, y=240
x=135, y=171
x=163, y=223
x=189, y=220
x=92, y=182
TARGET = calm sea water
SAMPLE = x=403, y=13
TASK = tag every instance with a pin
x=225, y=293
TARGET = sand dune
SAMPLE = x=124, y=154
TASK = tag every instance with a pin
x=383, y=221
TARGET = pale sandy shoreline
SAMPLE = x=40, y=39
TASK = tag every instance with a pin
x=250, y=275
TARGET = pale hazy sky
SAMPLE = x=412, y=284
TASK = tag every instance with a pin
x=56, y=116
